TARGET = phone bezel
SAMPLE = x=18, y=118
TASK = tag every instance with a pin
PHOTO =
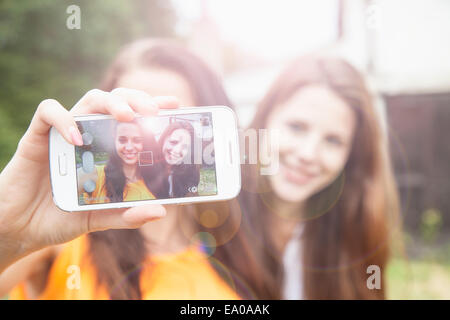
x=227, y=158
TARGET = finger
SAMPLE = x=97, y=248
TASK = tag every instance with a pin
x=124, y=219
x=51, y=113
x=139, y=101
x=97, y=101
x=122, y=103
x=167, y=102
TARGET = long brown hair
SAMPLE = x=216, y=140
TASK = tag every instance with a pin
x=346, y=225
x=185, y=175
x=118, y=254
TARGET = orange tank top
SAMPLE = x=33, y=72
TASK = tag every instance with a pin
x=184, y=275
x=133, y=191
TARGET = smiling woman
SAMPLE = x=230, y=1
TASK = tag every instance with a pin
x=328, y=213
x=177, y=148
x=165, y=259
x=123, y=178
x=129, y=142
x=314, y=148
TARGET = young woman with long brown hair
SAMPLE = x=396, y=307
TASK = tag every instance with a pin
x=176, y=145
x=328, y=212
x=170, y=258
x=122, y=178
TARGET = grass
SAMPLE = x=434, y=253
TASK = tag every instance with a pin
x=207, y=184
x=426, y=274
x=418, y=279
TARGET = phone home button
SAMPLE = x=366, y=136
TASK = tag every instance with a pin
x=62, y=164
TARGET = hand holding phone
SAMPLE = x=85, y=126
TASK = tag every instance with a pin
x=29, y=219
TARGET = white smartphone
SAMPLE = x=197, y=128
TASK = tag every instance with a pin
x=184, y=155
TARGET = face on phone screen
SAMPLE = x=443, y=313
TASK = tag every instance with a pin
x=149, y=158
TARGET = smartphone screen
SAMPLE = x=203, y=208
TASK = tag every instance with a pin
x=149, y=158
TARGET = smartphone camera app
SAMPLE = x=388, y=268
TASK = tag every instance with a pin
x=149, y=158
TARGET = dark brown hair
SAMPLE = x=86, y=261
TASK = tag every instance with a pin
x=117, y=254
x=184, y=175
x=347, y=225
x=205, y=85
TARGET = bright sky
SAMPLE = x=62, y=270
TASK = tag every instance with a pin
x=274, y=29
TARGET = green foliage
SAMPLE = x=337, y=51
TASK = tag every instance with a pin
x=431, y=225
x=41, y=58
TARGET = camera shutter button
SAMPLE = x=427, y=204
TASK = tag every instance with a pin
x=88, y=161
x=62, y=164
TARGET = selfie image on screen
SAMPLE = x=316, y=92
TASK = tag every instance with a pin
x=148, y=158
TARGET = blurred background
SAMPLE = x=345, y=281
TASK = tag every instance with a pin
x=402, y=46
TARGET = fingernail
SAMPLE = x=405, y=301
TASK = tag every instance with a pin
x=75, y=136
